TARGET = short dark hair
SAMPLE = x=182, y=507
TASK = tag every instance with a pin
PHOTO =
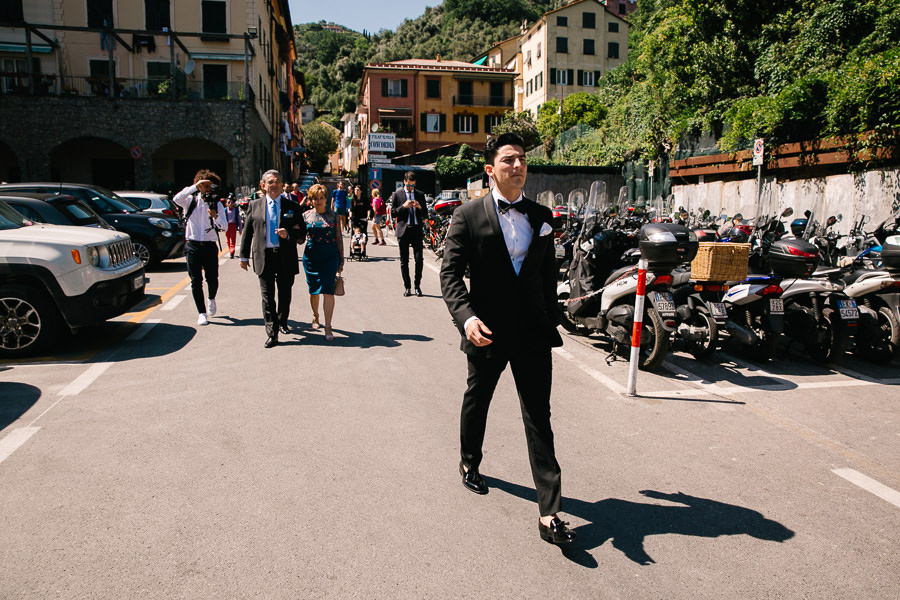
x=409, y=176
x=493, y=145
x=207, y=174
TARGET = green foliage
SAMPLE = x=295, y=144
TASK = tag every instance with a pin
x=320, y=140
x=521, y=124
x=579, y=108
x=453, y=171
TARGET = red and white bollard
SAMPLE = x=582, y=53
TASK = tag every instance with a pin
x=636, y=329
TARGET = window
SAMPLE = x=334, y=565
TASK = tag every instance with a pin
x=157, y=72
x=589, y=20
x=215, y=82
x=622, y=8
x=394, y=88
x=528, y=58
x=402, y=128
x=539, y=81
x=562, y=21
x=156, y=13
x=497, y=98
x=562, y=45
x=613, y=27
x=589, y=47
x=433, y=122
x=528, y=87
x=214, y=20
x=11, y=12
x=15, y=73
x=539, y=50
x=586, y=78
x=492, y=121
x=466, y=93
x=433, y=88
x=561, y=76
x=99, y=13
x=613, y=50
x=466, y=124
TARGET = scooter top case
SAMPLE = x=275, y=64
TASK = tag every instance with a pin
x=793, y=258
x=667, y=245
x=890, y=257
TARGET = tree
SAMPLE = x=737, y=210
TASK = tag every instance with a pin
x=321, y=141
x=453, y=171
x=522, y=124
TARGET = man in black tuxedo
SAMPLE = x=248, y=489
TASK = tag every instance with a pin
x=409, y=212
x=507, y=315
x=272, y=231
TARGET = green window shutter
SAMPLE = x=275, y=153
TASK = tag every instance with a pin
x=597, y=78
x=487, y=124
x=474, y=123
x=443, y=122
x=403, y=88
x=384, y=87
x=580, y=77
x=552, y=76
x=571, y=77
x=423, y=122
x=456, y=123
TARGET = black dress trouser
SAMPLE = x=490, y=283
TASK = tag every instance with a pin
x=275, y=276
x=532, y=372
x=202, y=257
x=411, y=237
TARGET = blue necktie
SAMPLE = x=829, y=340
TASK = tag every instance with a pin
x=273, y=224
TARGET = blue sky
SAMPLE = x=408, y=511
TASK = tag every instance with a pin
x=371, y=15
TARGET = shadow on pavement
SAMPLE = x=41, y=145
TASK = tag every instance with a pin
x=627, y=523
x=15, y=400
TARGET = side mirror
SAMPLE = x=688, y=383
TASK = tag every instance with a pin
x=787, y=212
x=831, y=221
x=840, y=217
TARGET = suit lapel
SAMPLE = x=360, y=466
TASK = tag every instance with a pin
x=531, y=255
x=490, y=213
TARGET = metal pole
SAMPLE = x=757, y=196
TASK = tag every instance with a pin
x=636, y=330
x=111, y=62
x=29, y=62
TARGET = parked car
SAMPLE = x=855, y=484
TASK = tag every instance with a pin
x=55, y=278
x=155, y=237
x=151, y=202
x=54, y=209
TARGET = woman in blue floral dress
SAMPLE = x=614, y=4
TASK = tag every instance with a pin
x=323, y=258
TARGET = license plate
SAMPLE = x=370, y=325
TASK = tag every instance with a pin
x=848, y=308
x=560, y=252
x=718, y=310
x=776, y=306
x=138, y=282
x=664, y=303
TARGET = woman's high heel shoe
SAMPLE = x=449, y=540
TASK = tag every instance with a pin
x=315, y=321
x=329, y=336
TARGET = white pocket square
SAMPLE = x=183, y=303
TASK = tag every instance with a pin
x=545, y=230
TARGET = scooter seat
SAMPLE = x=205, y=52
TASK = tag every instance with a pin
x=827, y=272
x=618, y=273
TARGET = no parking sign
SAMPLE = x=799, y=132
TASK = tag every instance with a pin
x=136, y=152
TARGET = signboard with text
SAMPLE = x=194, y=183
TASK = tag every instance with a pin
x=382, y=142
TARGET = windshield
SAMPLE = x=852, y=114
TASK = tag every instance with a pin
x=111, y=201
x=76, y=211
x=596, y=207
x=10, y=218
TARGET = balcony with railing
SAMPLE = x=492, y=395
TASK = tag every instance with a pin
x=163, y=89
x=470, y=100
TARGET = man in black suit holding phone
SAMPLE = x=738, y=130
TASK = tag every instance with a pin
x=409, y=213
x=273, y=228
x=507, y=315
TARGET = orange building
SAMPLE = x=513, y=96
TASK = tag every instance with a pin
x=428, y=104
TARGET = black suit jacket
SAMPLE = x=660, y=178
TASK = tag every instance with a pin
x=400, y=214
x=253, y=240
x=521, y=310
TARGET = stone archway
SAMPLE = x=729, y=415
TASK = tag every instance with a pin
x=10, y=172
x=175, y=163
x=92, y=160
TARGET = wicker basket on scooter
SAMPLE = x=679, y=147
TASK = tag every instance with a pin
x=719, y=261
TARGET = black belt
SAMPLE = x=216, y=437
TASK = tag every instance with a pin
x=198, y=242
x=274, y=250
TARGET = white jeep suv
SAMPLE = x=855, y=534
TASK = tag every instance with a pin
x=57, y=277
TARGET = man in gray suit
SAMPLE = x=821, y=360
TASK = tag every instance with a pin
x=272, y=231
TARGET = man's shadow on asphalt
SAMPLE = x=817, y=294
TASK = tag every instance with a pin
x=627, y=524
x=302, y=335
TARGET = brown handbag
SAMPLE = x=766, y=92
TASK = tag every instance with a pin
x=339, y=285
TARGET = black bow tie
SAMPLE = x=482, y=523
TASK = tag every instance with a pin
x=505, y=206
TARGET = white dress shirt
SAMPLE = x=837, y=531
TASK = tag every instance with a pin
x=516, y=230
x=197, y=227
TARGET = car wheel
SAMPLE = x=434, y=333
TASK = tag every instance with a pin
x=28, y=321
x=142, y=251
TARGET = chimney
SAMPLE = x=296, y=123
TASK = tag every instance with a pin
x=439, y=58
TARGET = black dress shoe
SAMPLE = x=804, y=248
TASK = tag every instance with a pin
x=284, y=329
x=472, y=480
x=557, y=532
x=418, y=291
x=407, y=293
x=271, y=341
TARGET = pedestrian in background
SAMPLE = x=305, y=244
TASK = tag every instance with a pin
x=378, y=214
x=340, y=204
x=359, y=209
x=235, y=224
x=323, y=258
x=409, y=214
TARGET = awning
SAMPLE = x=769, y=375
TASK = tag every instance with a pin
x=13, y=47
x=215, y=56
x=395, y=112
x=481, y=60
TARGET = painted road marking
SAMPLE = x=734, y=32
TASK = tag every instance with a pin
x=85, y=379
x=143, y=330
x=609, y=383
x=139, y=316
x=870, y=485
x=14, y=440
x=171, y=304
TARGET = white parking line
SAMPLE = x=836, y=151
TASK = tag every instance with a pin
x=85, y=379
x=143, y=330
x=175, y=301
x=610, y=384
x=14, y=440
x=870, y=485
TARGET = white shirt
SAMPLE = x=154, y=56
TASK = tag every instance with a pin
x=516, y=230
x=197, y=227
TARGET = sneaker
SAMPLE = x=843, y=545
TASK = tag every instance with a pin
x=202, y=320
x=212, y=307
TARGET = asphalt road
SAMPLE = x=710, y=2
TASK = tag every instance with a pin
x=151, y=458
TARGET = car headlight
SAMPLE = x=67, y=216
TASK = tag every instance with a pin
x=93, y=256
x=161, y=223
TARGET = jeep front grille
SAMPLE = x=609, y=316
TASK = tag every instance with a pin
x=121, y=253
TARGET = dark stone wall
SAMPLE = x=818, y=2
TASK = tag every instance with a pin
x=33, y=126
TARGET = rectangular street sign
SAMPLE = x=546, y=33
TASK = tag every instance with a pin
x=382, y=142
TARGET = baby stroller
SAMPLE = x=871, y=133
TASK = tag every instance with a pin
x=359, y=251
